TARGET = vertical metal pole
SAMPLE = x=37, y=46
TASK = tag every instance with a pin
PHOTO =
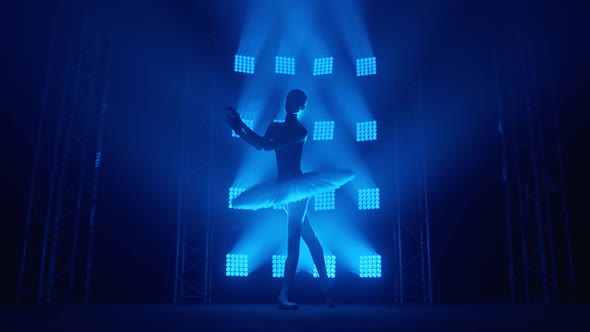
x=83, y=168
x=423, y=263
x=544, y=174
x=568, y=236
x=37, y=157
x=181, y=179
x=182, y=261
x=208, y=231
x=425, y=189
x=505, y=180
x=397, y=227
x=58, y=216
x=525, y=259
x=52, y=175
x=536, y=188
x=98, y=162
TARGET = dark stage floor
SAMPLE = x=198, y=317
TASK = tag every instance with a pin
x=219, y=317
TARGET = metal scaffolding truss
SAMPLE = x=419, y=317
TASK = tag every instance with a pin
x=540, y=263
x=411, y=230
x=192, y=281
x=56, y=256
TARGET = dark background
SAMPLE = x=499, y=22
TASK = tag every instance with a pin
x=136, y=232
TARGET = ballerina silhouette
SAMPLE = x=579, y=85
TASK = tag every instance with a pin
x=292, y=189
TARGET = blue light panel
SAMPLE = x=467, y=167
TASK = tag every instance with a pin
x=323, y=66
x=278, y=266
x=366, y=66
x=244, y=64
x=369, y=199
x=323, y=130
x=236, y=265
x=330, y=266
x=233, y=193
x=325, y=201
x=366, y=131
x=370, y=266
x=249, y=123
x=285, y=65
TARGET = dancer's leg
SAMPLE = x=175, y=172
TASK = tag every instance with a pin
x=315, y=247
x=296, y=212
x=317, y=254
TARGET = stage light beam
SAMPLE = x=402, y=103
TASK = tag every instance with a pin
x=284, y=65
x=370, y=266
x=325, y=201
x=244, y=64
x=233, y=193
x=323, y=66
x=369, y=199
x=366, y=66
x=366, y=131
x=323, y=130
x=236, y=265
x=278, y=266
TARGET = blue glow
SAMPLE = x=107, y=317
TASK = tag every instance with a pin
x=366, y=131
x=285, y=65
x=249, y=123
x=370, y=266
x=366, y=66
x=97, y=160
x=325, y=201
x=330, y=267
x=369, y=199
x=233, y=193
x=323, y=66
x=323, y=130
x=236, y=265
x=244, y=64
x=278, y=266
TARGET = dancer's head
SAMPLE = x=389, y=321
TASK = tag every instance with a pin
x=296, y=101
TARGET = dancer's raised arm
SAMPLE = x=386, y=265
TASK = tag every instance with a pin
x=271, y=139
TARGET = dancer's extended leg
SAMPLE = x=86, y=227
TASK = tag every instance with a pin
x=296, y=213
x=317, y=254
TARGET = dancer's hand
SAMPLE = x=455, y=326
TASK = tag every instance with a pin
x=233, y=118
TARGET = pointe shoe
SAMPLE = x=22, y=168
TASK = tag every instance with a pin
x=284, y=304
x=287, y=306
x=327, y=285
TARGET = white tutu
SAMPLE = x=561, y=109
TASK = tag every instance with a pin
x=280, y=192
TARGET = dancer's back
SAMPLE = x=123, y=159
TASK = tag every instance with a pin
x=289, y=157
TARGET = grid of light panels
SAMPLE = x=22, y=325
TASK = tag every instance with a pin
x=249, y=123
x=323, y=130
x=244, y=64
x=233, y=193
x=278, y=266
x=366, y=66
x=370, y=266
x=284, y=65
x=236, y=265
x=323, y=66
x=369, y=199
x=330, y=267
x=325, y=201
x=366, y=131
